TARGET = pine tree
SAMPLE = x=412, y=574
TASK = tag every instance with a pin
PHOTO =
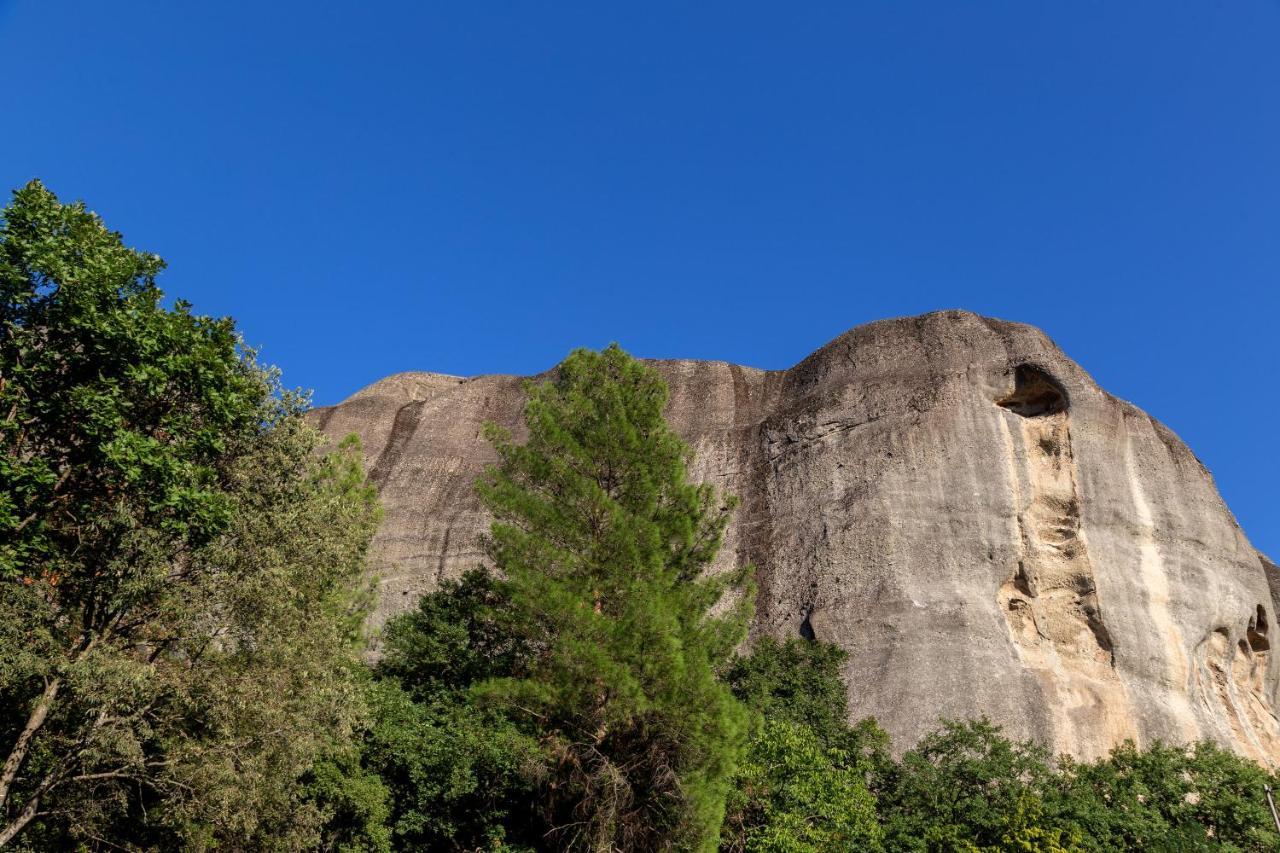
x=606, y=548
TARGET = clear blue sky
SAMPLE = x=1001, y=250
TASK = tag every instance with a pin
x=479, y=187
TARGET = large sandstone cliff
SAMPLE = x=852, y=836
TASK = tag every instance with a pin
x=949, y=498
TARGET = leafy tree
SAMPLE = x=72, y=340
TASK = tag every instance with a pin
x=1027, y=829
x=180, y=593
x=799, y=681
x=1165, y=797
x=796, y=795
x=605, y=547
x=966, y=787
x=803, y=785
x=795, y=680
x=458, y=773
x=459, y=635
x=352, y=803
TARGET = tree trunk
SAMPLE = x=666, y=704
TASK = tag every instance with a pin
x=28, y=812
x=20, y=747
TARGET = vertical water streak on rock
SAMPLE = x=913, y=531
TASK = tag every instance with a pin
x=402, y=429
x=1176, y=675
x=444, y=556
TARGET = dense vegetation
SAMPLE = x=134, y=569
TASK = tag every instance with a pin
x=182, y=593
x=808, y=781
x=180, y=570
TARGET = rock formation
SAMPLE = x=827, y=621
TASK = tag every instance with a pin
x=949, y=498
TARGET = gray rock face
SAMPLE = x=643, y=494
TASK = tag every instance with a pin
x=949, y=498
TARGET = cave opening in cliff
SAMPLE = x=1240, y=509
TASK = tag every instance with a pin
x=806, y=627
x=1035, y=393
x=1257, y=631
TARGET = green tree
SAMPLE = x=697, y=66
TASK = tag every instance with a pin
x=351, y=805
x=798, y=681
x=605, y=547
x=180, y=593
x=459, y=776
x=459, y=635
x=804, y=783
x=795, y=680
x=459, y=773
x=1166, y=797
x=967, y=787
x=1027, y=830
x=793, y=794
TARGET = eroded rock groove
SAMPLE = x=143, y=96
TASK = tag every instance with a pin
x=1051, y=599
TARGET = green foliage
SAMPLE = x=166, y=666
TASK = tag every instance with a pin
x=1171, y=798
x=798, y=681
x=963, y=787
x=118, y=415
x=459, y=635
x=967, y=787
x=459, y=773
x=180, y=573
x=605, y=547
x=793, y=794
x=1026, y=829
x=794, y=680
x=353, y=803
x=803, y=785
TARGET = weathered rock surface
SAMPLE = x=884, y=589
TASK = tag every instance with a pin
x=949, y=498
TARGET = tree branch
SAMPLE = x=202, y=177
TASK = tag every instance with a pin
x=22, y=745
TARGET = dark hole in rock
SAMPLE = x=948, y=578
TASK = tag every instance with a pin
x=1257, y=632
x=806, y=627
x=1035, y=393
x=1022, y=581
